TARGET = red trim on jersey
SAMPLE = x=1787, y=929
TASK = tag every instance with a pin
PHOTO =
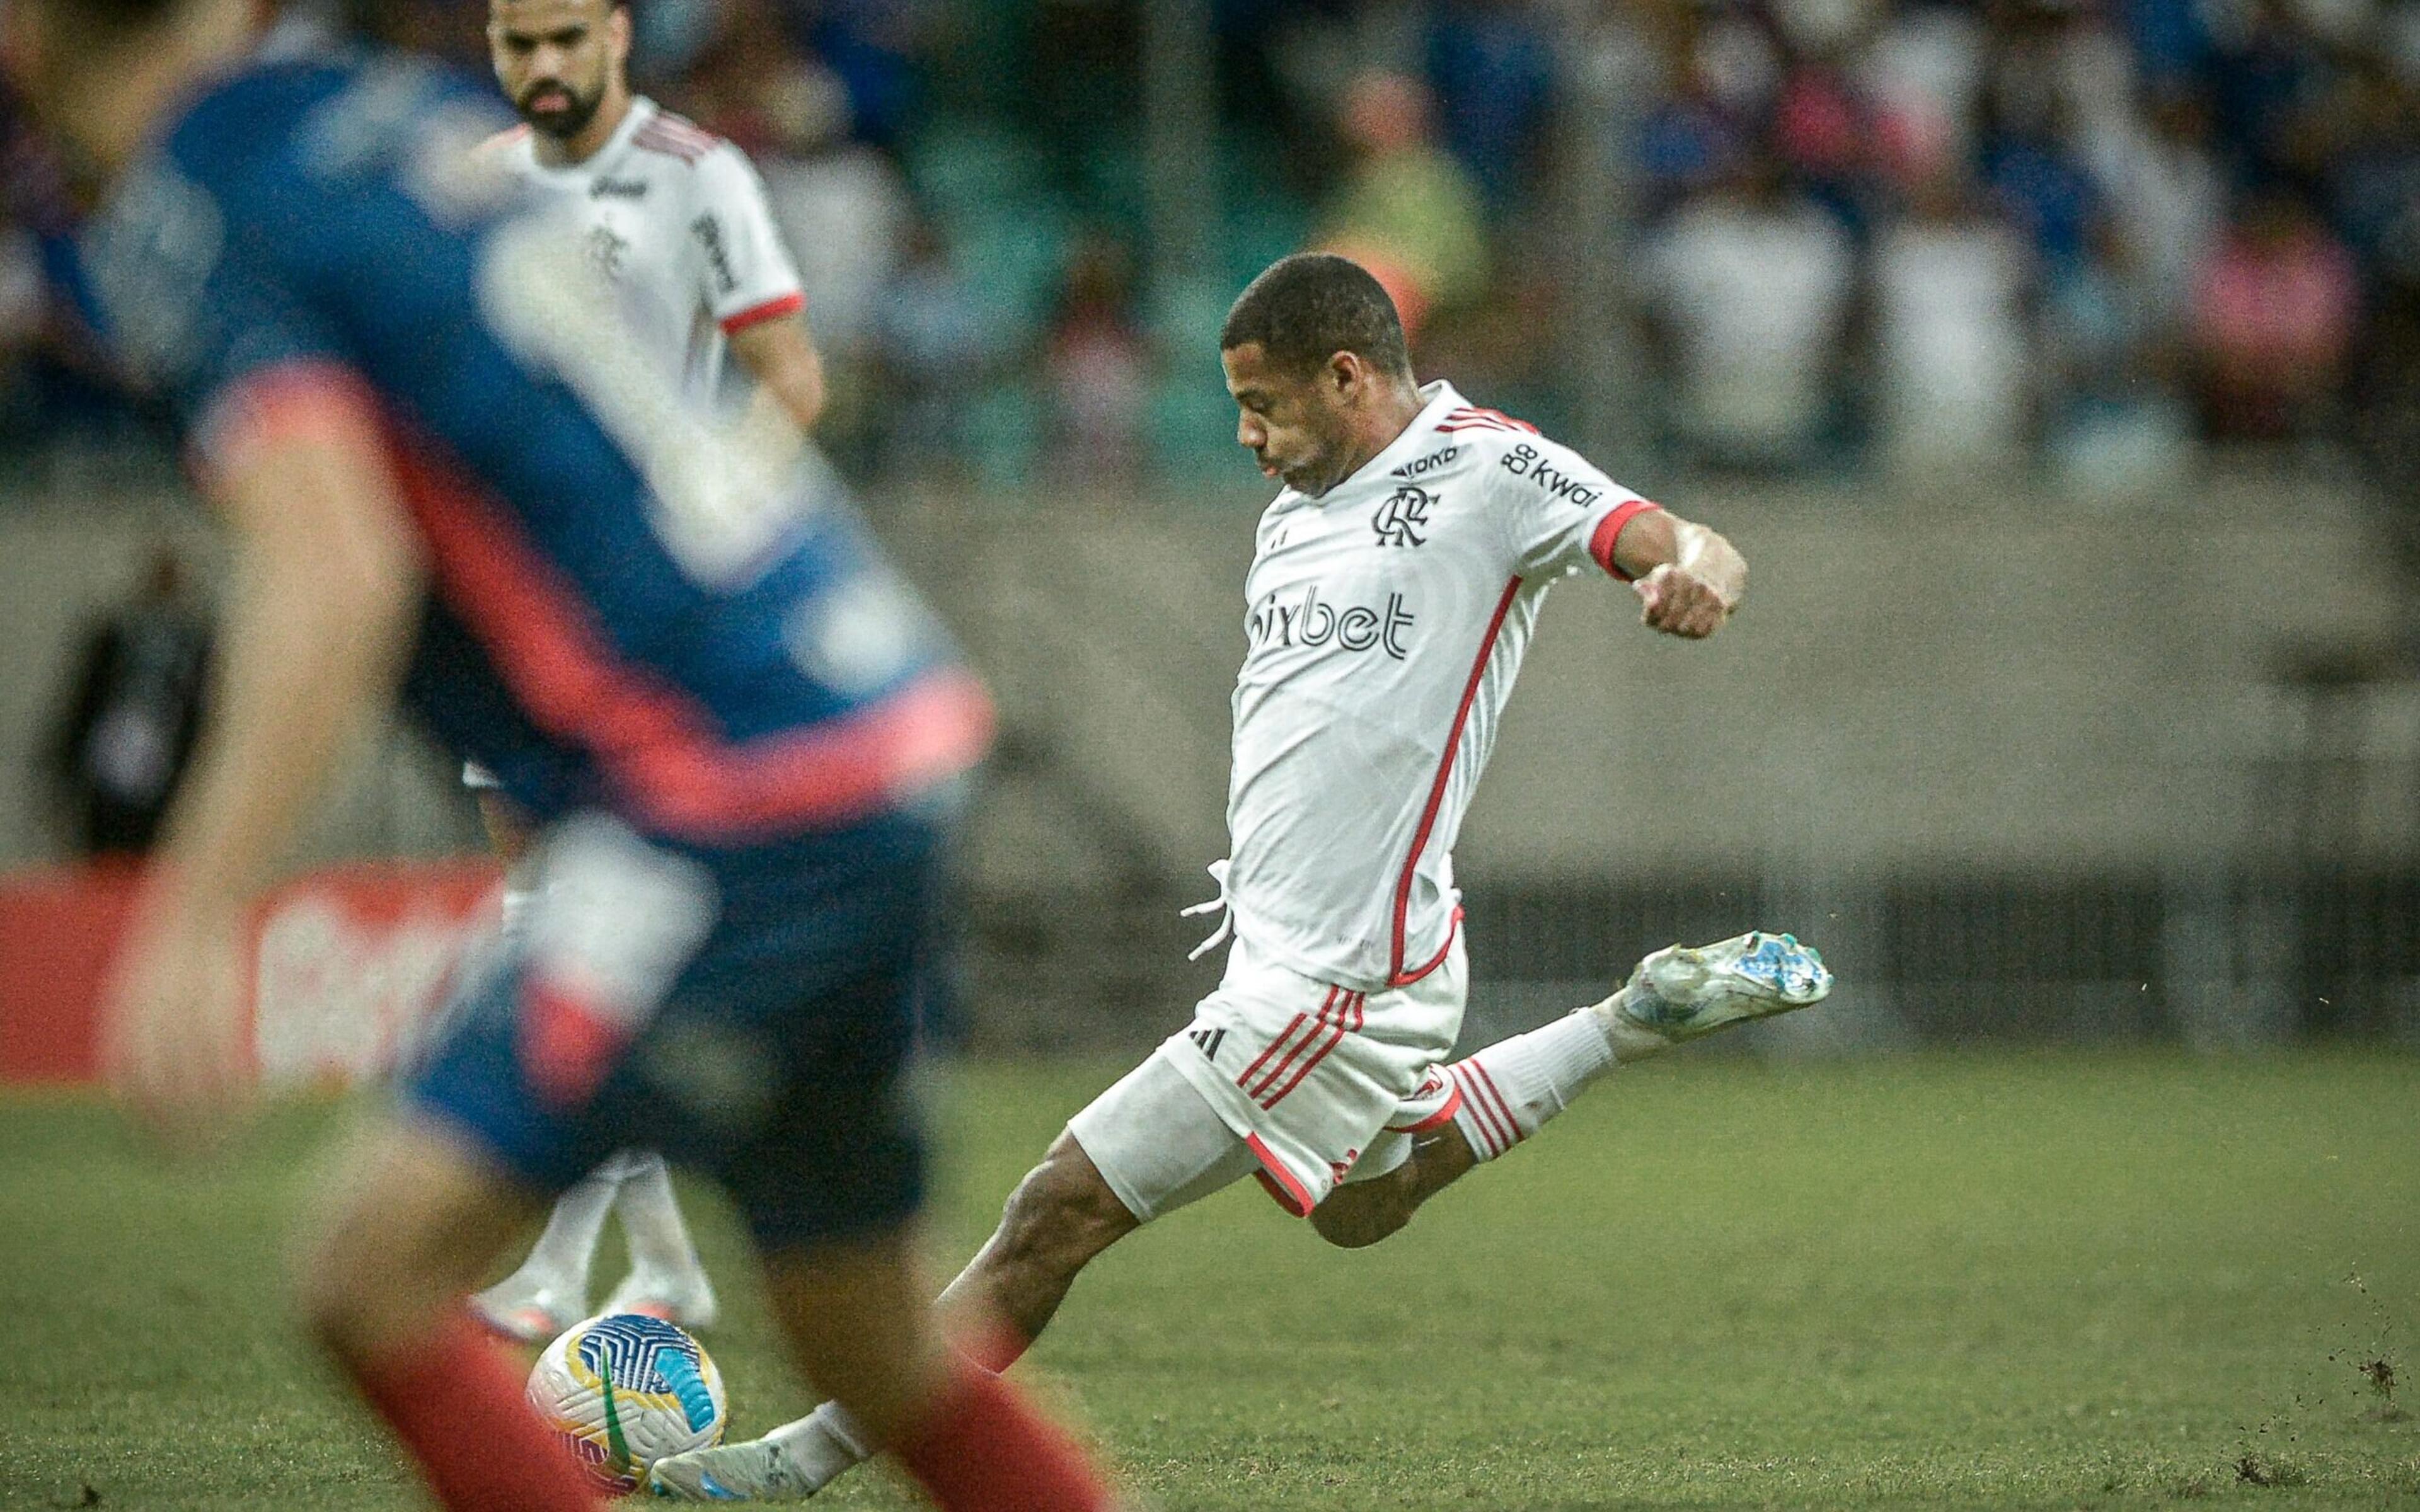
x=664, y=147
x=1608, y=534
x=680, y=125
x=675, y=138
x=1435, y=1120
x=1471, y=417
x=564, y=1046
x=653, y=742
x=1396, y=976
x=1282, y=1183
x=1453, y=927
x=772, y=309
x=1348, y=1018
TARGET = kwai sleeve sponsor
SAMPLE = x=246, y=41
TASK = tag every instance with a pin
x=1560, y=514
x=745, y=272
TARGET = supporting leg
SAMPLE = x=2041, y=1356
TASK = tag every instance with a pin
x=856, y=1317
x=1060, y=1217
x=381, y=1284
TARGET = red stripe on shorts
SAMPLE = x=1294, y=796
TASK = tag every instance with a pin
x=1282, y=1184
x=1283, y=1035
x=1348, y=1017
x=1299, y=1045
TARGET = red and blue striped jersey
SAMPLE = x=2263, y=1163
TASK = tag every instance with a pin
x=631, y=608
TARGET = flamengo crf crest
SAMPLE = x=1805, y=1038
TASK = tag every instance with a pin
x=1403, y=519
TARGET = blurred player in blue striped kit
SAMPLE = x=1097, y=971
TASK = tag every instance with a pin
x=674, y=218
x=737, y=733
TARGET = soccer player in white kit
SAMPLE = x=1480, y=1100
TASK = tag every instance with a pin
x=675, y=219
x=1396, y=582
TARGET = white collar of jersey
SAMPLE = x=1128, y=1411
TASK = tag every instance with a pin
x=642, y=111
x=1437, y=400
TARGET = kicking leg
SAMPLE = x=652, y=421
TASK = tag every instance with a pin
x=1507, y=1091
x=416, y=1220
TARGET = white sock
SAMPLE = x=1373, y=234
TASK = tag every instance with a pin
x=822, y=1446
x=651, y=1218
x=560, y=1255
x=1514, y=1086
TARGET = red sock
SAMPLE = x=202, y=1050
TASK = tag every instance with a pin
x=458, y=1405
x=985, y=1450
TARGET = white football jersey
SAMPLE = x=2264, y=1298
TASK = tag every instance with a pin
x=676, y=217
x=1387, y=620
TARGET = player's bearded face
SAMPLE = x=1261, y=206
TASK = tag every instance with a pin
x=557, y=107
x=1295, y=424
x=556, y=59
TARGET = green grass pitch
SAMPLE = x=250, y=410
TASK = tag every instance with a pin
x=2055, y=1281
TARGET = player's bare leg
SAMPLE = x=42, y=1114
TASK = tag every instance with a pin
x=412, y=1221
x=1062, y=1216
x=1057, y=1220
x=1363, y=1212
x=856, y=1317
x=1513, y=1087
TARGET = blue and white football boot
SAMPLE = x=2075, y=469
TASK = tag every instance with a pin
x=1684, y=992
x=756, y=1471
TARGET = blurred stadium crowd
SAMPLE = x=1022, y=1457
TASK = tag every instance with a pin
x=1838, y=234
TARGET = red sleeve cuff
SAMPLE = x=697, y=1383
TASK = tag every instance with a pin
x=790, y=304
x=1608, y=532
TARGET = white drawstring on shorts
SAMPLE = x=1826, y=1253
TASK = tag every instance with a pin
x=1226, y=929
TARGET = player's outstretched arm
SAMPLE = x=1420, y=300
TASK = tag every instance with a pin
x=327, y=579
x=1687, y=577
x=781, y=356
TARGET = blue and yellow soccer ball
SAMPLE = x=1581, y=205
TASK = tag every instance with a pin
x=626, y=1391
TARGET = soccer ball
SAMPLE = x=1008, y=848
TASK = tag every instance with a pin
x=626, y=1391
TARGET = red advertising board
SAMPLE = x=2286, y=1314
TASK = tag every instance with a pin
x=348, y=964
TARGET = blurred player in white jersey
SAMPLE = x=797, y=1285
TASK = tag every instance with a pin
x=676, y=220
x=1395, y=585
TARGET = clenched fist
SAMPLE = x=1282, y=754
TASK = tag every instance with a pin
x=1680, y=603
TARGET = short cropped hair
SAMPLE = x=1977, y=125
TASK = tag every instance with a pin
x=1305, y=309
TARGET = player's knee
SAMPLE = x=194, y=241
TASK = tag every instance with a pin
x=1063, y=1209
x=1357, y=1216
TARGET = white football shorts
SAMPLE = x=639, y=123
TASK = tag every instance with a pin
x=1302, y=1083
